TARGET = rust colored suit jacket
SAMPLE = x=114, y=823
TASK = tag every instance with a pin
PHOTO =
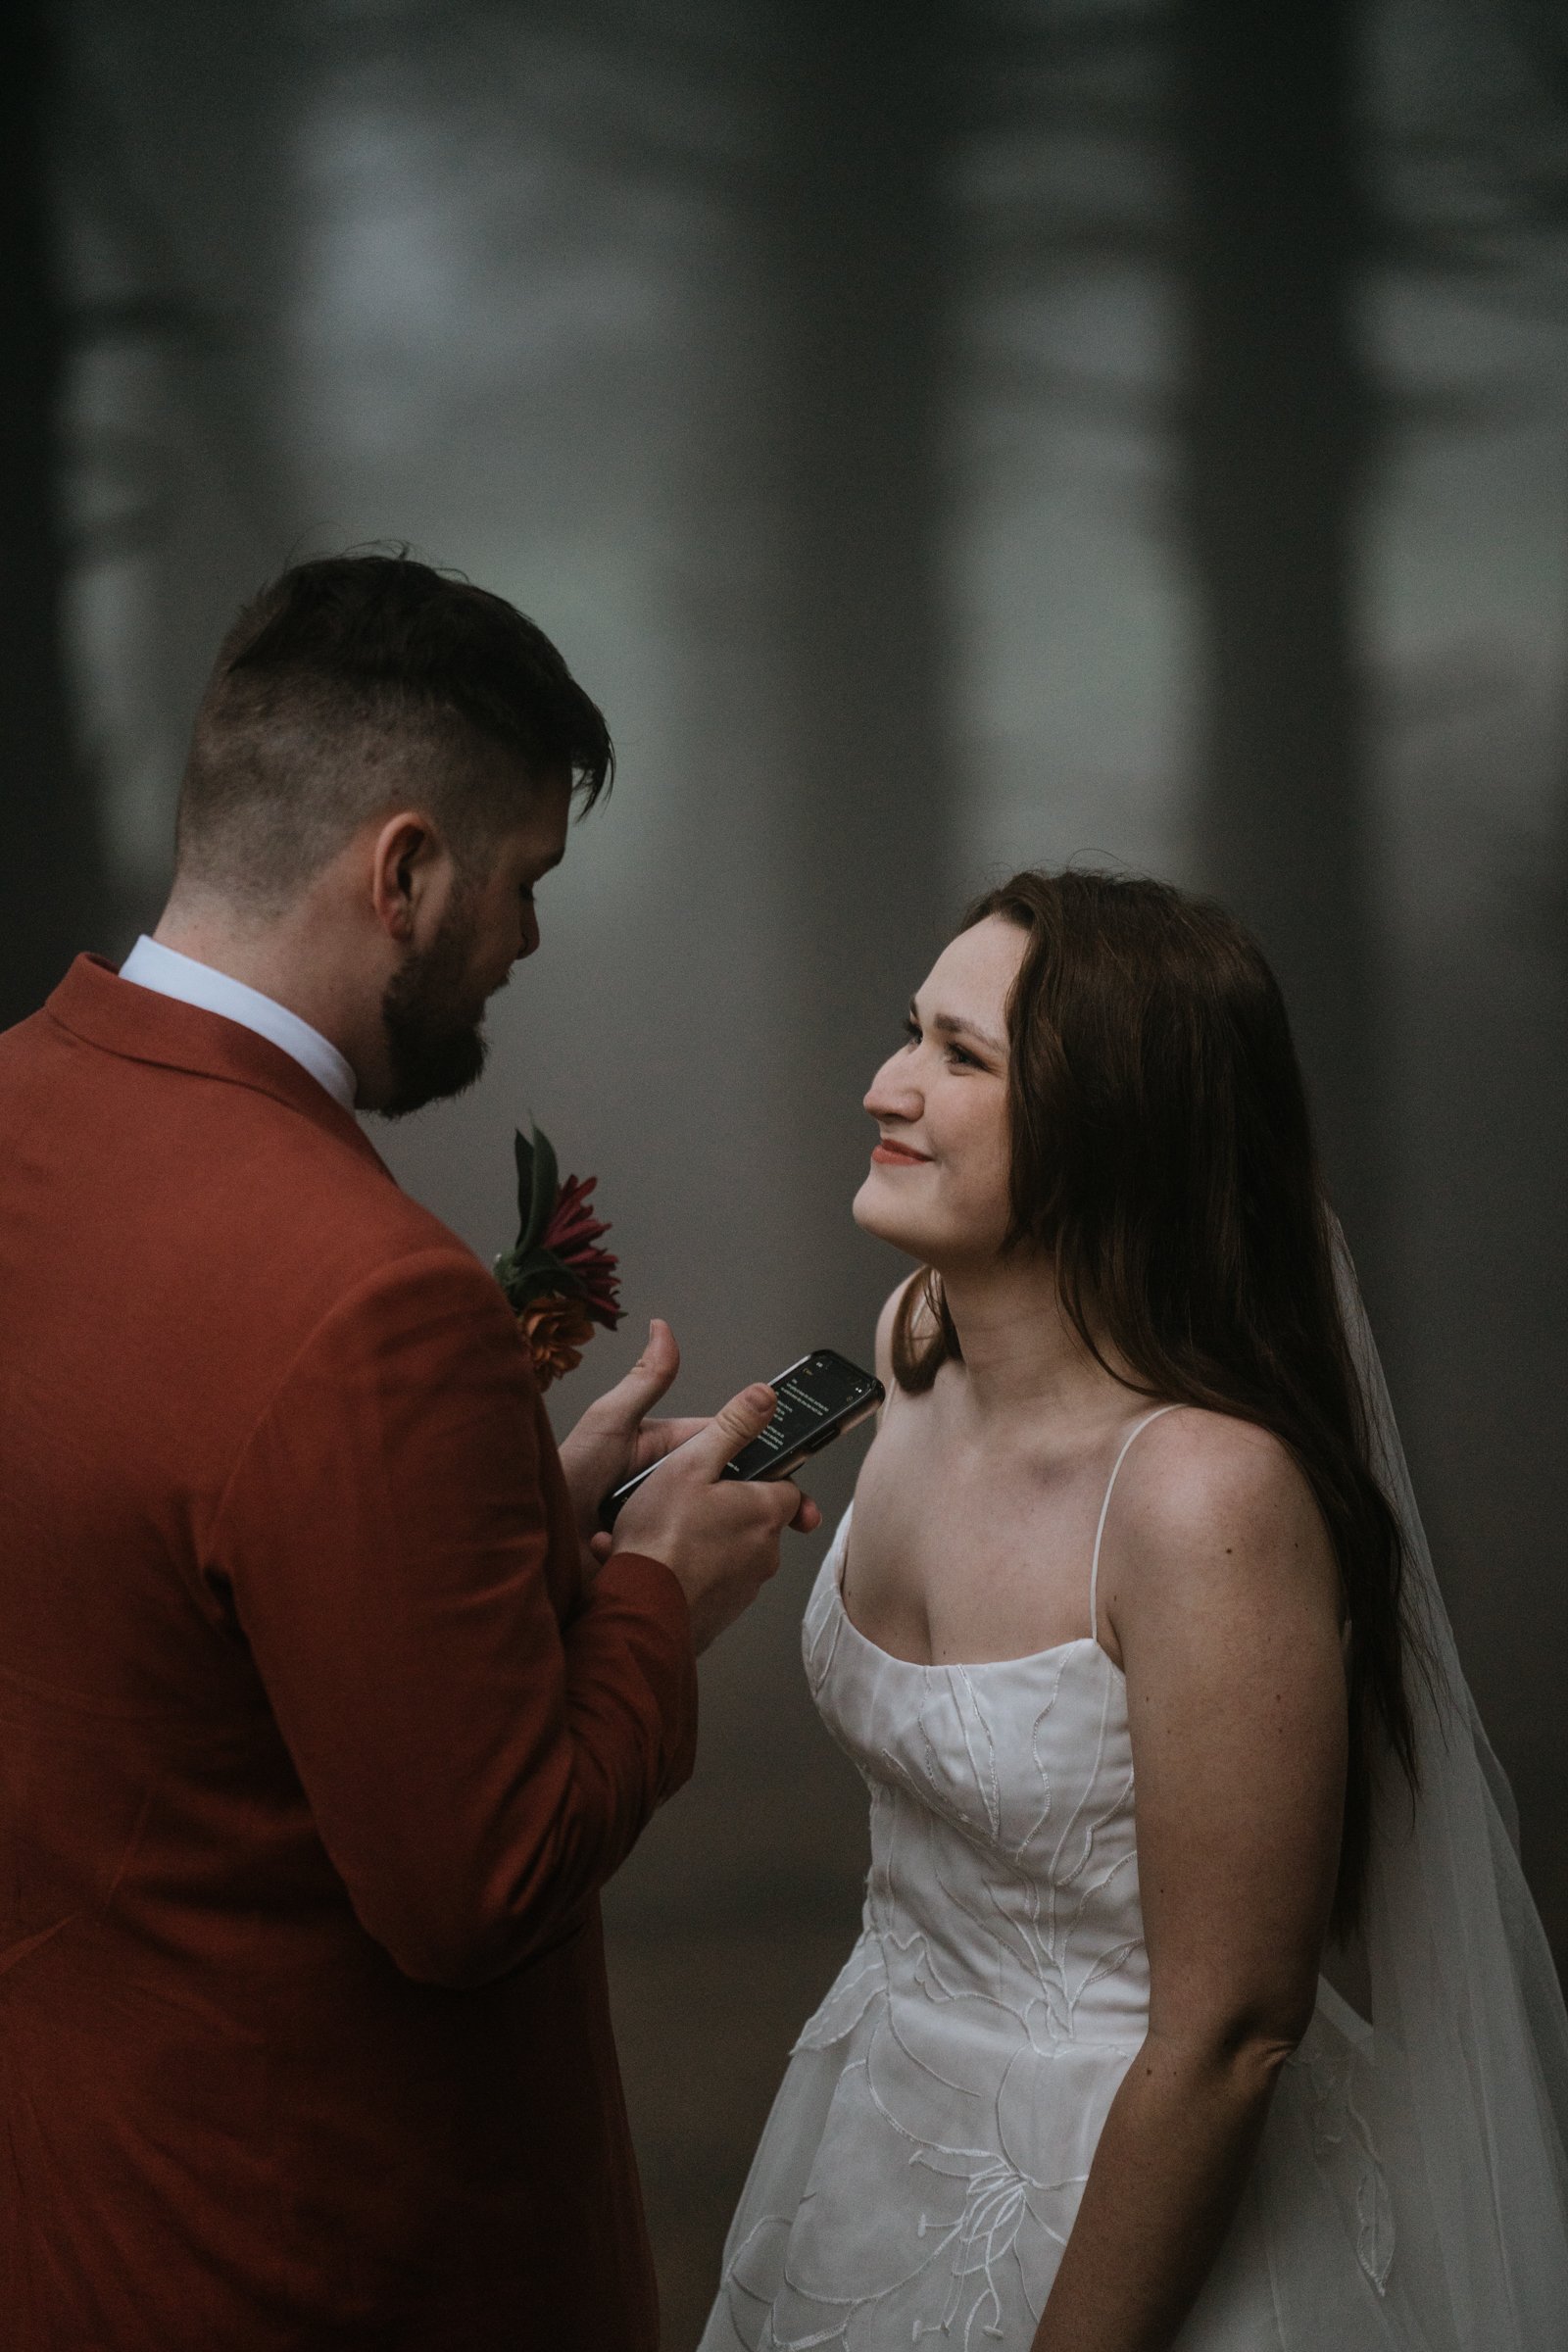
x=312, y=1756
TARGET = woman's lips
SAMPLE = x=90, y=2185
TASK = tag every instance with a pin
x=894, y=1155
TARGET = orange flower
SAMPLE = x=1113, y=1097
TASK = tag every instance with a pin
x=555, y=1329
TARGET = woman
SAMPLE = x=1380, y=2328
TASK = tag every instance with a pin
x=1132, y=1521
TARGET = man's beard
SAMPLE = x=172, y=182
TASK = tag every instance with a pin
x=434, y=1041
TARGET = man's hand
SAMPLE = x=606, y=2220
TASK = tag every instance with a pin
x=718, y=1537
x=612, y=1441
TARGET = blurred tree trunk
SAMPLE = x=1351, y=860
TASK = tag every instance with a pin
x=180, y=124
x=1276, y=457
x=1537, y=171
x=858, y=270
x=51, y=904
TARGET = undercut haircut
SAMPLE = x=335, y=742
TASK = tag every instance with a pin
x=360, y=684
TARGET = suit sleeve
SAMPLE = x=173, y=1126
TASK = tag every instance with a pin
x=474, y=1769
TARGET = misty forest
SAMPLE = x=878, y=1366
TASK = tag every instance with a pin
x=944, y=438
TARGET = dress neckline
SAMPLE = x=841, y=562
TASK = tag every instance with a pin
x=891, y=1657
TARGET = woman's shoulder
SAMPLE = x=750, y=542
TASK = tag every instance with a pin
x=1191, y=1457
x=1207, y=1496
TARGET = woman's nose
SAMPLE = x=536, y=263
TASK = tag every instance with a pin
x=891, y=1094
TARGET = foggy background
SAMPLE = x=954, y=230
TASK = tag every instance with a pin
x=944, y=437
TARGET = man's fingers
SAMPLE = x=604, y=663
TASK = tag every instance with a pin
x=659, y=1437
x=792, y=1504
x=808, y=1518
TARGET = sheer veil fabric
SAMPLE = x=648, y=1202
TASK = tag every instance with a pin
x=1468, y=2049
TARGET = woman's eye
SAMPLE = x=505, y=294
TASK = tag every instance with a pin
x=952, y=1054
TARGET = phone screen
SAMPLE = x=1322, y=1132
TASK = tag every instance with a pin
x=819, y=1388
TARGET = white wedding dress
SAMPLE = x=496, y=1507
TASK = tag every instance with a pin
x=924, y=2159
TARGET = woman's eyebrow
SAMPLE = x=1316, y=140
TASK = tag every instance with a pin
x=952, y=1024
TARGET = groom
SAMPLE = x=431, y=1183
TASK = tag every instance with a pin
x=320, y=1725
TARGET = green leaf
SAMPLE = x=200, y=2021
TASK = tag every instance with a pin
x=545, y=1262
x=538, y=1182
x=522, y=1153
x=529, y=1274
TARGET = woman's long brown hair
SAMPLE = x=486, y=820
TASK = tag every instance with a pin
x=1162, y=1152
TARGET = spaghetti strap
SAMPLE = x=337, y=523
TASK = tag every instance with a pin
x=1136, y=1431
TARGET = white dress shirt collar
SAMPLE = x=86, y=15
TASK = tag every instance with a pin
x=150, y=964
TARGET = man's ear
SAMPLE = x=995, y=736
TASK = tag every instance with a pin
x=407, y=856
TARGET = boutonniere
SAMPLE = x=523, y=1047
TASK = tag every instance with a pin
x=558, y=1281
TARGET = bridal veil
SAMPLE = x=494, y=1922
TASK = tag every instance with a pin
x=1468, y=2050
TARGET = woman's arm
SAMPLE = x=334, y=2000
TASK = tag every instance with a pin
x=1219, y=1584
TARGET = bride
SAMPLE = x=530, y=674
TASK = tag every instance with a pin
x=1133, y=1635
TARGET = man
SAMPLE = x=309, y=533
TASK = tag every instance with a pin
x=322, y=1724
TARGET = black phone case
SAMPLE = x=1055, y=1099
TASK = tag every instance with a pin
x=778, y=1452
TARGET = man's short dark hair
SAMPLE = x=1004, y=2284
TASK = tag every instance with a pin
x=357, y=683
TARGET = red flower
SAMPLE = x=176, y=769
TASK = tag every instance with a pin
x=556, y=1278
x=573, y=1235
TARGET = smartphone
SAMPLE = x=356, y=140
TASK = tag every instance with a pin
x=820, y=1398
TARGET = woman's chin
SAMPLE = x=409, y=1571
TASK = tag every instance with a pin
x=876, y=1215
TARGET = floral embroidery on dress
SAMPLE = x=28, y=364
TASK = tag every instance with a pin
x=926, y=2156
x=1339, y=2131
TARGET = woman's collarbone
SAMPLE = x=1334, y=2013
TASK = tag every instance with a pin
x=952, y=1569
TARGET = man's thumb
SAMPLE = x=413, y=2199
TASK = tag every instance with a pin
x=735, y=1424
x=650, y=1375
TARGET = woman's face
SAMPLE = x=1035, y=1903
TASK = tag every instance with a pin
x=938, y=1181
